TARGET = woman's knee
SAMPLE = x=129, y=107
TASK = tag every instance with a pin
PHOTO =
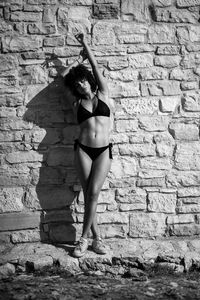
x=93, y=194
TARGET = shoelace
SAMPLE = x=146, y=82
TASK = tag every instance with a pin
x=81, y=243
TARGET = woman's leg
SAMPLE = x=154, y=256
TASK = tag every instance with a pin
x=99, y=171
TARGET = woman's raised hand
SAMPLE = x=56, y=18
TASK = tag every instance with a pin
x=83, y=54
x=80, y=38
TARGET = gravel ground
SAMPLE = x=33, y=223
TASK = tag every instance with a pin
x=64, y=286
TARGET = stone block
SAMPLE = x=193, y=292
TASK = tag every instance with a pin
x=124, y=167
x=187, y=3
x=191, y=102
x=180, y=219
x=106, y=11
x=155, y=163
x=113, y=230
x=144, y=60
x=24, y=157
x=56, y=41
x=63, y=233
x=60, y=156
x=5, y=28
x=138, y=10
x=124, y=89
x=162, y=3
x=7, y=112
x=154, y=123
x=161, y=34
x=11, y=199
x=189, y=192
x=181, y=131
x=151, y=182
x=47, y=136
x=192, y=85
x=59, y=216
x=187, y=156
x=171, y=15
x=139, y=48
x=164, y=144
x=194, y=32
x=18, y=44
x=140, y=106
x=183, y=35
x=190, y=60
x=7, y=270
x=32, y=75
x=131, y=207
x=176, y=178
x=188, y=208
x=179, y=74
x=8, y=62
x=103, y=34
x=167, y=61
x=153, y=73
x=159, y=88
x=126, y=125
x=11, y=100
x=130, y=33
x=20, y=16
x=147, y=225
x=49, y=15
x=131, y=195
x=161, y=202
x=41, y=29
x=192, y=47
x=121, y=63
x=168, y=50
x=113, y=217
x=122, y=75
x=25, y=236
x=184, y=230
x=139, y=150
x=169, y=104
x=17, y=221
x=48, y=197
x=140, y=137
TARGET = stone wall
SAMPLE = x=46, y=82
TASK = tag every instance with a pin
x=149, y=51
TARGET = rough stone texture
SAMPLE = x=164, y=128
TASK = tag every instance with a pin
x=148, y=51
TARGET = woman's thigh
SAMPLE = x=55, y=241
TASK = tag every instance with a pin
x=99, y=171
x=83, y=164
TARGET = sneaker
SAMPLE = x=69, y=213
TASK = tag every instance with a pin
x=98, y=246
x=81, y=248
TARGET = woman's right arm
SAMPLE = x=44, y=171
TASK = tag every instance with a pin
x=75, y=63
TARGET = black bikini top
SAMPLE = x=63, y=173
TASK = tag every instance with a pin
x=102, y=109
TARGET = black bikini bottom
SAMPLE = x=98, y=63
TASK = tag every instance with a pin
x=93, y=153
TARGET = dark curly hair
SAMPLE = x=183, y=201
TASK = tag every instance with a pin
x=78, y=73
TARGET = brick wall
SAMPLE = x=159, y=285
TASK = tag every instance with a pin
x=149, y=51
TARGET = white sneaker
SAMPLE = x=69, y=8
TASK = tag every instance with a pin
x=98, y=246
x=81, y=248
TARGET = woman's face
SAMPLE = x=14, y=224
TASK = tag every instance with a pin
x=82, y=86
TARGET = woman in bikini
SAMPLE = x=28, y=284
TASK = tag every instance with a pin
x=93, y=152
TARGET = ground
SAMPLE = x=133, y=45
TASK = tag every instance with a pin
x=133, y=269
x=93, y=286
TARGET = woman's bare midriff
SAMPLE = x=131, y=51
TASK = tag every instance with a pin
x=95, y=131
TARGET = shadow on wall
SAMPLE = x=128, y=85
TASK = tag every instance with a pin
x=54, y=177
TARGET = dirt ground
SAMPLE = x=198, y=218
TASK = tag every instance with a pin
x=64, y=286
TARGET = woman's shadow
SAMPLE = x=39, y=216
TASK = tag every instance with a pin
x=54, y=183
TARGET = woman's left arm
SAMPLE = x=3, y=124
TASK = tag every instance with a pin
x=102, y=85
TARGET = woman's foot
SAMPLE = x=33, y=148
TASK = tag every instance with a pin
x=81, y=248
x=98, y=246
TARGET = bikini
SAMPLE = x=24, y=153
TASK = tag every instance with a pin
x=83, y=114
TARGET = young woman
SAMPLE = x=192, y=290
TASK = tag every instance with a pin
x=93, y=152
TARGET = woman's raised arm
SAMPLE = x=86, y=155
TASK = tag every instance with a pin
x=102, y=85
